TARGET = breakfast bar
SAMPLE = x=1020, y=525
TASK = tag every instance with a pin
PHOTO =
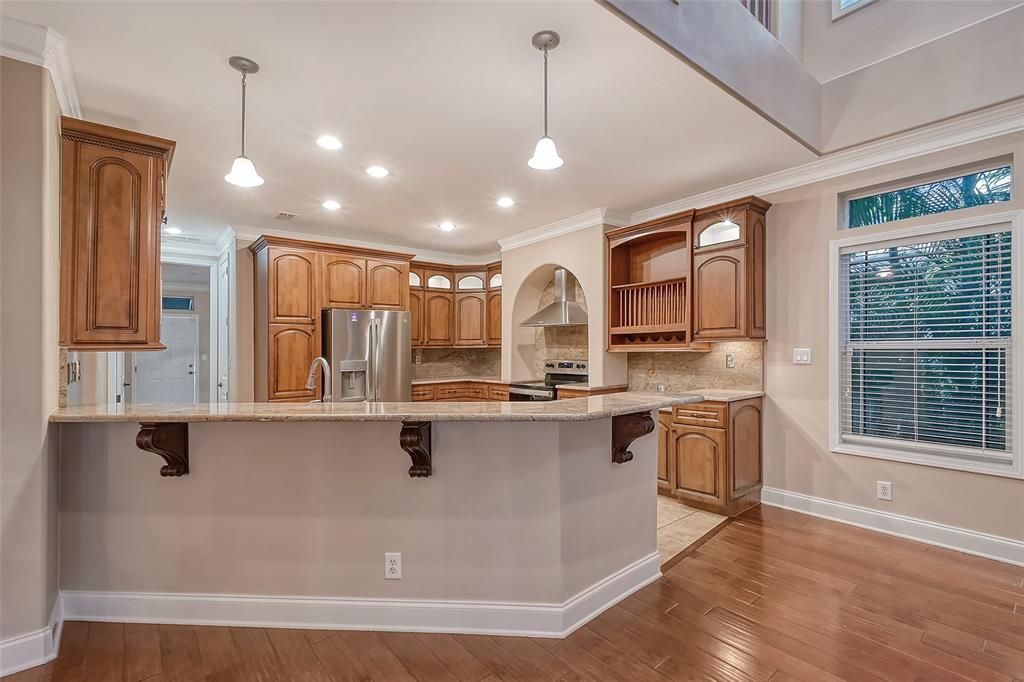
x=518, y=518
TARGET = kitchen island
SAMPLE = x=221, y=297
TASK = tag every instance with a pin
x=515, y=518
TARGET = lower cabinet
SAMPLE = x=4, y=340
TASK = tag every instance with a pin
x=709, y=455
x=291, y=351
x=460, y=391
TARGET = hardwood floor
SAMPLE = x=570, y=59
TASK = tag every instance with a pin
x=774, y=596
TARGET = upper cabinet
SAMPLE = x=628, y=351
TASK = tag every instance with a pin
x=681, y=281
x=729, y=271
x=111, y=207
x=471, y=317
x=292, y=284
x=344, y=281
x=386, y=284
x=470, y=281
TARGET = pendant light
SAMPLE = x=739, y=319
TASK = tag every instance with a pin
x=545, y=156
x=243, y=172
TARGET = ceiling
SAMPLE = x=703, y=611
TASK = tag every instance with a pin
x=447, y=95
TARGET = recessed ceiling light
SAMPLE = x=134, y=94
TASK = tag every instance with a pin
x=172, y=230
x=377, y=171
x=329, y=142
x=447, y=226
x=331, y=205
x=505, y=202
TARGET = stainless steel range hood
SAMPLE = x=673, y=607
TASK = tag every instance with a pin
x=565, y=311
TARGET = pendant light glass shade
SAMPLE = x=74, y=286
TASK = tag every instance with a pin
x=243, y=173
x=545, y=156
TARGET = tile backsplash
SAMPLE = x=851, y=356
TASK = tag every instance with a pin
x=684, y=371
x=443, y=363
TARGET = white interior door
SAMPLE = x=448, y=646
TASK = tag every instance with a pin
x=222, y=330
x=169, y=376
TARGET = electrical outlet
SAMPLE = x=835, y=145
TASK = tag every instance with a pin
x=885, y=490
x=801, y=356
x=392, y=565
x=418, y=358
x=661, y=388
x=730, y=360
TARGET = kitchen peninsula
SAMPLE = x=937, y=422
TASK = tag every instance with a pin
x=519, y=518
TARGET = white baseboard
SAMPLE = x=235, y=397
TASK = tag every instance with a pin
x=33, y=648
x=498, y=618
x=950, y=537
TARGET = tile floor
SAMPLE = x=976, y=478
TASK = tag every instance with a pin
x=679, y=526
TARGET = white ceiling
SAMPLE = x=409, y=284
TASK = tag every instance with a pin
x=447, y=95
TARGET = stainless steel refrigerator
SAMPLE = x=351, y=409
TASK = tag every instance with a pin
x=369, y=353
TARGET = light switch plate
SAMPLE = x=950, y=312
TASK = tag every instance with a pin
x=801, y=356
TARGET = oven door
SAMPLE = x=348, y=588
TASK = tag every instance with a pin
x=520, y=393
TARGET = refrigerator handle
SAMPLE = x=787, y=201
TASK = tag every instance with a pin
x=371, y=374
x=376, y=361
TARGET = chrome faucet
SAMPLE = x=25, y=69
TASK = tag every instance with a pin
x=311, y=379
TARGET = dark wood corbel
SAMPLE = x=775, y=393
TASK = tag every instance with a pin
x=170, y=441
x=626, y=428
x=415, y=440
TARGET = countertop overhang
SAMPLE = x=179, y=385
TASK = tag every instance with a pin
x=574, y=409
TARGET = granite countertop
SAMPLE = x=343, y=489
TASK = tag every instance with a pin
x=574, y=409
x=725, y=395
x=592, y=387
x=454, y=380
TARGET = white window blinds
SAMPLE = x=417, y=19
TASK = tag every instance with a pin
x=925, y=346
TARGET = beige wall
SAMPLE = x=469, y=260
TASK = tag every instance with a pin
x=29, y=214
x=241, y=388
x=801, y=223
x=526, y=271
x=880, y=30
x=526, y=511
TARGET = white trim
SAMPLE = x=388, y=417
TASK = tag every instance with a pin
x=938, y=534
x=838, y=13
x=494, y=618
x=581, y=221
x=33, y=648
x=170, y=247
x=974, y=127
x=252, y=233
x=42, y=46
x=945, y=229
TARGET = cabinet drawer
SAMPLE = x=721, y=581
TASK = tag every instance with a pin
x=497, y=393
x=422, y=393
x=701, y=414
x=448, y=392
x=477, y=392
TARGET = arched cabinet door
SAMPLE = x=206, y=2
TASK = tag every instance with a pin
x=494, y=318
x=699, y=461
x=344, y=280
x=745, y=431
x=719, y=294
x=292, y=285
x=438, y=319
x=470, y=319
x=387, y=285
x=416, y=317
x=292, y=349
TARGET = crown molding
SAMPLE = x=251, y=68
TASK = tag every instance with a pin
x=39, y=45
x=252, y=233
x=981, y=125
x=169, y=247
x=580, y=221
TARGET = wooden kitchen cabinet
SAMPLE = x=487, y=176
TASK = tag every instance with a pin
x=416, y=317
x=494, y=318
x=729, y=271
x=344, y=281
x=438, y=319
x=292, y=349
x=387, y=284
x=470, y=319
x=111, y=206
x=709, y=455
x=294, y=282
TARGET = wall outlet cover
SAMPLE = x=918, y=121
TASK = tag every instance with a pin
x=392, y=565
x=885, y=490
x=801, y=356
x=730, y=360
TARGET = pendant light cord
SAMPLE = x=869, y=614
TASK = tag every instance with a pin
x=243, y=113
x=545, y=92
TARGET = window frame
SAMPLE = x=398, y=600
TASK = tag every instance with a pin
x=924, y=179
x=958, y=459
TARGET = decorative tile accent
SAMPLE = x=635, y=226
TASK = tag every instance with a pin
x=681, y=371
x=456, y=363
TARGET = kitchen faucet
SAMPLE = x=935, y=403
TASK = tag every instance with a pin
x=311, y=379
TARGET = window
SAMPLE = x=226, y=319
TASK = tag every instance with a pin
x=987, y=186
x=178, y=303
x=925, y=358
x=841, y=8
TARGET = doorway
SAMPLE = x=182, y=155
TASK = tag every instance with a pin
x=169, y=376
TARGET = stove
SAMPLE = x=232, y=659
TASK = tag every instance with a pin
x=556, y=373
